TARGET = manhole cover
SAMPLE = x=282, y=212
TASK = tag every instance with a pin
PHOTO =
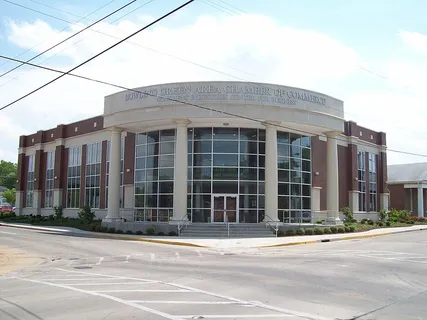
x=83, y=267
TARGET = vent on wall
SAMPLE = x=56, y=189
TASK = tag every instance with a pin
x=94, y=124
x=32, y=140
x=51, y=135
x=75, y=129
x=372, y=137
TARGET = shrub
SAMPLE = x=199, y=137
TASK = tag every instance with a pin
x=370, y=222
x=363, y=221
x=280, y=233
x=150, y=231
x=86, y=214
x=300, y=232
x=347, y=214
x=347, y=229
x=111, y=230
x=333, y=229
x=129, y=232
x=387, y=223
x=352, y=228
x=290, y=232
x=160, y=233
x=104, y=229
x=318, y=231
x=379, y=224
x=340, y=229
x=139, y=232
x=327, y=231
x=383, y=215
x=410, y=222
x=354, y=221
x=98, y=228
x=309, y=232
x=93, y=226
x=58, y=213
x=119, y=231
x=173, y=233
x=319, y=221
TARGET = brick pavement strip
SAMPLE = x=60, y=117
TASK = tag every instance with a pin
x=13, y=260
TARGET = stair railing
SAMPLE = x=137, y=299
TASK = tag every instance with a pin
x=272, y=224
x=183, y=222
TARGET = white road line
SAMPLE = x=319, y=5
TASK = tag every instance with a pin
x=127, y=259
x=72, y=279
x=177, y=255
x=255, y=303
x=185, y=302
x=101, y=284
x=235, y=316
x=142, y=290
x=152, y=256
x=100, y=261
x=11, y=233
x=98, y=294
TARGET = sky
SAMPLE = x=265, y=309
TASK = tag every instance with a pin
x=370, y=54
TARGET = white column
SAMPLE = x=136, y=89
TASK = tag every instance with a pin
x=18, y=202
x=181, y=170
x=420, y=202
x=332, y=187
x=353, y=200
x=57, y=197
x=113, y=210
x=271, y=187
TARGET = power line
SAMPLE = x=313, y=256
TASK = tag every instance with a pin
x=100, y=53
x=81, y=18
x=193, y=104
x=138, y=45
x=69, y=37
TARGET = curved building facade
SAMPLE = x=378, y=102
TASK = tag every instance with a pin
x=208, y=152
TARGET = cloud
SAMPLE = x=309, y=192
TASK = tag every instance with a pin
x=246, y=47
x=414, y=40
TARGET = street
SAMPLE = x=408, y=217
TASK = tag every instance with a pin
x=69, y=277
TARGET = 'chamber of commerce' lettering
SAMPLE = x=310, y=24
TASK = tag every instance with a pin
x=213, y=92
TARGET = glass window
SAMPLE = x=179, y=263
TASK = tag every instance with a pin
x=50, y=164
x=30, y=182
x=154, y=186
x=93, y=174
x=361, y=174
x=225, y=147
x=228, y=160
x=225, y=133
x=73, y=178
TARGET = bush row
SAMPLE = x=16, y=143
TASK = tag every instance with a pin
x=149, y=231
x=315, y=231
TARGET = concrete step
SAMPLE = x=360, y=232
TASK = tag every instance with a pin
x=208, y=230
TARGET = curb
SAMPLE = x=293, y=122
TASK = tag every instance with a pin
x=102, y=236
x=362, y=236
x=188, y=244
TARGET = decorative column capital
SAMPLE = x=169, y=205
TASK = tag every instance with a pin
x=333, y=133
x=116, y=130
x=270, y=123
x=182, y=122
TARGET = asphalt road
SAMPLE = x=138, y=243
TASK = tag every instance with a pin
x=86, y=278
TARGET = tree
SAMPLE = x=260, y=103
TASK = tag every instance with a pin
x=8, y=174
x=10, y=196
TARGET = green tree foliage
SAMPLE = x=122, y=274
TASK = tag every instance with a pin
x=8, y=174
x=10, y=195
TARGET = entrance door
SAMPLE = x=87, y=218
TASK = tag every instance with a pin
x=224, y=208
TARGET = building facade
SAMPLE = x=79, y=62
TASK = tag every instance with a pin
x=207, y=152
x=407, y=184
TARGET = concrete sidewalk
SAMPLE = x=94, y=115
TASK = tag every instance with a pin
x=225, y=243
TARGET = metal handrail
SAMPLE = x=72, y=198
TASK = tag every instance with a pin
x=182, y=223
x=271, y=225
